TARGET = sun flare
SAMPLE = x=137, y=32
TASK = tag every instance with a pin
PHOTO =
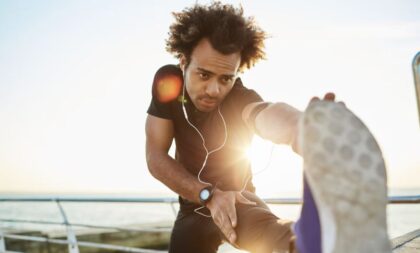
x=276, y=169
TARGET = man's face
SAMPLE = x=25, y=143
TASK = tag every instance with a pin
x=210, y=75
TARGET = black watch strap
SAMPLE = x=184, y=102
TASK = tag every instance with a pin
x=253, y=114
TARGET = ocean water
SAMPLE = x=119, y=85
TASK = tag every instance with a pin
x=402, y=218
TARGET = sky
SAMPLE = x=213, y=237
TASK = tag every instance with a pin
x=75, y=84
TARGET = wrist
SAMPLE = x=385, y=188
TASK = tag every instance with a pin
x=205, y=195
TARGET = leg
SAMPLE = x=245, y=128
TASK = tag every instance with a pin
x=345, y=173
x=193, y=233
x=259, y=230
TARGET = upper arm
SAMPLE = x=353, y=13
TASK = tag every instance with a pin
x=159, y=135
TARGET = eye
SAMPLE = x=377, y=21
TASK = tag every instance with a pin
x=227, y=79
x=203, y=76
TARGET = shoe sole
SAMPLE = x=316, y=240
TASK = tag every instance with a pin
x=346, y=173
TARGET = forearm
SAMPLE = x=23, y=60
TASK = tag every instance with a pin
x=278, y=122
x=174, y=175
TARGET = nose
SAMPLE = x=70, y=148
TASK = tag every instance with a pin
x=213, y=89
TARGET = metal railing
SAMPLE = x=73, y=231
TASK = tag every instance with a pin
x=74, y=244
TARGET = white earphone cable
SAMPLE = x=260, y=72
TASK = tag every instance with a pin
x=208, y=153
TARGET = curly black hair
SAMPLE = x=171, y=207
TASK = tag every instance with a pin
x=226, y=28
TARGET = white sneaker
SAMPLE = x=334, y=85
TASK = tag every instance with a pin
x=347, y=177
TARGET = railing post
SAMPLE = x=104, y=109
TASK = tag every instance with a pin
x=416, y=72
x=71, y=236
x=2, y=242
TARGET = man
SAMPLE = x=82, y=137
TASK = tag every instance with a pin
x=212, y=116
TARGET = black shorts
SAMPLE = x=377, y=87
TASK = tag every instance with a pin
x=258, y=229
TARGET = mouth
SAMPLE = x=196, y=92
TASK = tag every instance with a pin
x=208, y=102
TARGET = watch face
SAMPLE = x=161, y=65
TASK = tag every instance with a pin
x=204, y=194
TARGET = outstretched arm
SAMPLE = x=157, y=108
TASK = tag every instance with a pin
x=277, y=122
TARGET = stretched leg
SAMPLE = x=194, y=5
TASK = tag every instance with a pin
x=346, y=180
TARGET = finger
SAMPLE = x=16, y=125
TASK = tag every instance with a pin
x=231, y=235
x=228, y=231
x=232, y=238
x=329, y=96
x=241, y=199
x=342, y=103
x=218, y=219
x=231, y=214
x=314, y=99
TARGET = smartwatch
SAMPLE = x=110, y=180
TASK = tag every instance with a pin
x=205, y=195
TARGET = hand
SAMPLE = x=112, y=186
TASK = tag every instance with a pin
x=223, y=211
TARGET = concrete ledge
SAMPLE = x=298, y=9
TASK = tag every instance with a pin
x=408, y=243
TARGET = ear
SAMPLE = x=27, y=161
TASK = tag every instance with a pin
x=183, y=63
